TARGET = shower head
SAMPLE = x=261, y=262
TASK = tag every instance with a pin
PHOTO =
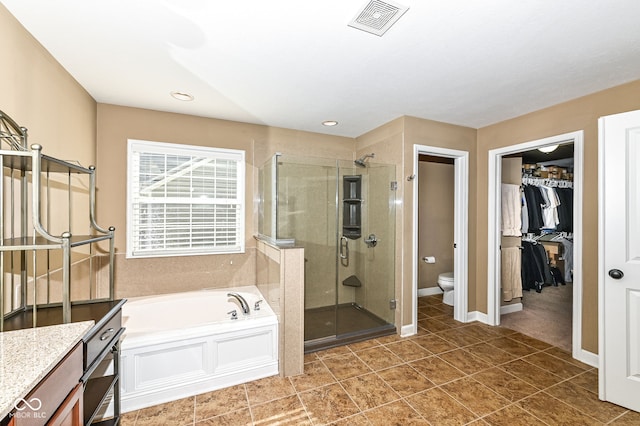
x=361, y=161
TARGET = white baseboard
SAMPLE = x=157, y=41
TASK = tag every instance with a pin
x=429, y=291
x=477, y=316
x=507, y=309
x=408, y=330
x=588, y=358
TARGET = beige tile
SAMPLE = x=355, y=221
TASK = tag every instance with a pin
x=530, y=341
x=586, y=401
x=397, y=413
x=408, y=350
x=437, y=370
x=221, y=401
x=179, y=412
x=346, y=366
x=405, y=380
x=513, y=416
x=449, y=321
x=316, y=374
x=420, y=332
x=433, y=325
x=555, y=412
x=379, y=358
x=459, y=336
x=440, y=409
x=435, y=344
x=512, y=346
x=328, y=404
x=554, y=365
x=479, y=331
x=365, y=344
x=510, y=387
x=630, y=418
x=369, y=391
x=284, y=411
x=465, y=361
x=128, y=419
x=356, y=420
x=490, y=353
x=269, y=388
x=389, y=339
x=432, y=311
x=310, y=357
x=531, y=374
x=566, y=356
x=340, y=350
x=588, y=380
x=475, y=396
x=235, y=418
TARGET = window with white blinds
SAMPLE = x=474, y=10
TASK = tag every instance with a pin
x=184, y=200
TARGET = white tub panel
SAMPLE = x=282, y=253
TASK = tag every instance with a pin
x=236, y=351
x=170, y=365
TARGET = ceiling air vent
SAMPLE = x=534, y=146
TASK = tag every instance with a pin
x=378, y=16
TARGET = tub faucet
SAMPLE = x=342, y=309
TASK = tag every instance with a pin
x=241, y=300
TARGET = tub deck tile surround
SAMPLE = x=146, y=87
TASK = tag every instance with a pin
x=26, y=356
x=509, y=379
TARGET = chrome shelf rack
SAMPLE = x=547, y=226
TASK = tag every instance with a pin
x=23, y=234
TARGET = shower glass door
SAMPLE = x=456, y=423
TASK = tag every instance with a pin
x=349, y=278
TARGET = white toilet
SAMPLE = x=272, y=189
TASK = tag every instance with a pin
x=445, y=282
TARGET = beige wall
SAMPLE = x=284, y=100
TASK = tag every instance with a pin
x=579, y=114
x=116, y=124
x=393, y=143
x=41, y=95
x=60, y=115
x=435, y=220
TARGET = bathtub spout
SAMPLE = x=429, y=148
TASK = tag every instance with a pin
x=242, y=301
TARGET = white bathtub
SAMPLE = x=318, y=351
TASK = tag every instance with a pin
x=182, y=344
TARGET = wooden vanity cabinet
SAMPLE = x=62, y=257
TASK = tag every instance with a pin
x=59, y=395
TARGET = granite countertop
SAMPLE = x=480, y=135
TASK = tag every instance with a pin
x=27, y=356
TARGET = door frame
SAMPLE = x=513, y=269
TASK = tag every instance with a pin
x=494, y=216
x=460, y=228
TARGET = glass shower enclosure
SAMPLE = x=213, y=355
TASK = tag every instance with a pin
x=343, y=214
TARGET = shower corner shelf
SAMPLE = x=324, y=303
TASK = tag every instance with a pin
x=21, y=213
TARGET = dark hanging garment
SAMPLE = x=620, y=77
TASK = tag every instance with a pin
x=557, y=276
x=532, y=275
x=534, y=208
x=543, y=263
x=565, y=210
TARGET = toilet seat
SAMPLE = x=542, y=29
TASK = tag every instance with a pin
x=446, y=278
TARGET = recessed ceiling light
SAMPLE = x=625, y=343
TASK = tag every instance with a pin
x=181, y=96
x=329, y=123
x=548, y=149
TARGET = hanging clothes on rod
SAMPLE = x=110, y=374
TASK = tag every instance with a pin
x=549, y=204
x=511, y=210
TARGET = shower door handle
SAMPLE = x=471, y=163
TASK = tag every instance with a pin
x=344, y=251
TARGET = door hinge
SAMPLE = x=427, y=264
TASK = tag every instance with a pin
x=392, y=304
x=394, y=185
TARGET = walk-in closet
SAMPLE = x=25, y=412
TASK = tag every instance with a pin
x=537, y=244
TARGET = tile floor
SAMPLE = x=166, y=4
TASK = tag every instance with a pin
x=450, y=373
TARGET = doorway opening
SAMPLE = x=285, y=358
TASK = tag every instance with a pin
x=545, y=241
x=458, y=250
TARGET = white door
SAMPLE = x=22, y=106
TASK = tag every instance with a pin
x=619, y=259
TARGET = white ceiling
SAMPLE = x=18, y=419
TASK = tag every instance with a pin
x=295, y=63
